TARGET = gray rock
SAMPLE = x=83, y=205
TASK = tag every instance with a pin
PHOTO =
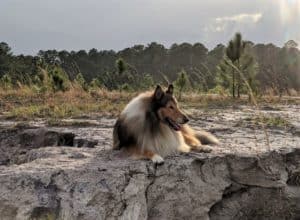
x=17, y=144
x=85, y=143
x=39, y=137
x=44, y=177
x=103, y=185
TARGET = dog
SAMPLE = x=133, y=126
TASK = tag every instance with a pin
x=152, y=126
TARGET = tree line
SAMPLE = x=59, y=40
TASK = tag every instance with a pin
x=231, y=68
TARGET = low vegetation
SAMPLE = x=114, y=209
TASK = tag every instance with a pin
x=61, y=84
x=269, y=121
x=27, y=103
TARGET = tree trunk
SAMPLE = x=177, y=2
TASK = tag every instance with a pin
x=180, y=93
x=280, y=91
x=233, y=83
x=238, y=81
x=238, y=88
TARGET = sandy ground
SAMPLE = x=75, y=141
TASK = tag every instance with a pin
x=235, y=127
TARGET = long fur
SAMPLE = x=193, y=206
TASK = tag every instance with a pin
x=139, y=127
x=144, y=130
x=203, y=136
x=206, y=137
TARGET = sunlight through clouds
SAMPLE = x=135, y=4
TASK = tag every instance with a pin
x=289, y=10
x=290, y=18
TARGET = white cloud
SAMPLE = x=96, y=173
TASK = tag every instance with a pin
x=240, y=18
x=220, y=24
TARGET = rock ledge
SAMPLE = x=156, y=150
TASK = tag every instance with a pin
x=68, y=182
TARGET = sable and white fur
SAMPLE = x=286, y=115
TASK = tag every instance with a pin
x=142, y=130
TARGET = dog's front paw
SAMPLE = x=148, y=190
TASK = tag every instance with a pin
x=184, y=148
x=157, y=159
x=203, y=149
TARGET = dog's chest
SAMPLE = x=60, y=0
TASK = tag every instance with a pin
x=164, y=142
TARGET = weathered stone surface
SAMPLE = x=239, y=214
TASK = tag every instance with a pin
x=70, y=173
x=17, y=144
x=59, y=182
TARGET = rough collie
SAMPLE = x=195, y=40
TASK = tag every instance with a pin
x=152, y=126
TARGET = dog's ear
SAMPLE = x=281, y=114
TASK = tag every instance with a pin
x=170, y=89
x=158, y=93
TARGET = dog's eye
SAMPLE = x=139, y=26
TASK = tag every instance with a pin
x=171, y=107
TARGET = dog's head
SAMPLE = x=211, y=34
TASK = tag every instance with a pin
x=166, y=108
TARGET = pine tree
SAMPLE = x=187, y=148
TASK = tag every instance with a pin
x=234, y=52
x=181, y=82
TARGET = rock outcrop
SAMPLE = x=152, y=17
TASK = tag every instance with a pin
x=46, y=174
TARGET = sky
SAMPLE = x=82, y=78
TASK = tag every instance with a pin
x=31, y=25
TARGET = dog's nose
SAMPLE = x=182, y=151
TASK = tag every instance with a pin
x=185, y=119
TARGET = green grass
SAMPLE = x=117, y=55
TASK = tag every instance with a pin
x=63, y=110
x=63, y=123
x=270, y=121
x=42, y=111
x=27, y=104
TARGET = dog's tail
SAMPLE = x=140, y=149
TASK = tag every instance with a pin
x=206, y=137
